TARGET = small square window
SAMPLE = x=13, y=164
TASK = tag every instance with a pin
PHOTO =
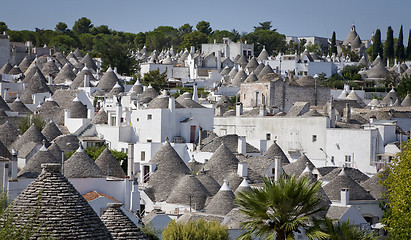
x=149, y=140
x=314, y=138
x=149, y=117
x=268, y=136
x=143, y=156
x=138, y=119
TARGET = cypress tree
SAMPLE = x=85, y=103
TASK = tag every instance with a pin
x=399, y=53
x=333, y=49
x=389, y=45
x=377, y=45
x=408, y=53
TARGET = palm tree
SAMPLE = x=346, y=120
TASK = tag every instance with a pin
x=345, y=231
x=280, y=208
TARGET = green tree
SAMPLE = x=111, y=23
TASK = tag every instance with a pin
x=404, y=86
x=399, y=51
x=25, y=123
x=194, y=38
x=63, y=43
x=333, y=49
x=279, y=208
x=100, y=29
x=408, y=52
x=82, y=25
x=389, y=45
x=3, y=27
x=273, y=41
x=219, y=35
x=86, y=41
x=204, y=27
x=195, y=230
x=185, y=29
x=155, y=40
x=264, y=26
x=157, y=80
x=115, y=54
x=140, y=40
x=61, y=27
x=351, y=72
x=377, y=45
x=345, y=231
x=398, y=184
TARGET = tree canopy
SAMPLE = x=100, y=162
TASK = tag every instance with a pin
x=389, y=44
x=377, y=45
x=398, y=183
x=399, y=51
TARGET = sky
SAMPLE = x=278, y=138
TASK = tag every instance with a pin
x=290, y=17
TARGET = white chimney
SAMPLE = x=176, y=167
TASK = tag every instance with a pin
x=239, y=109
x=130, y=162
x=6, y=94
x=118, y=114
x=242, y=170
x=241, y=145
x=345, y=196
x=134, y=197
x=14, y=164
x=192, y=49
x=86, y=80
x=171, y=103
x=195, y=93
x=278, y=171
x=50, y=80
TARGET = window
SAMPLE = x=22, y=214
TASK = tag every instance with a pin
x=314, y=138
x=149, y=117
x=149, y=140
x=332, y=159
x=347, y=160
x=244, y=95
x=138, y=119
x=268, y=136
x=143, y=155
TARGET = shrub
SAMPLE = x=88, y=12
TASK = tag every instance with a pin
x=195, y=230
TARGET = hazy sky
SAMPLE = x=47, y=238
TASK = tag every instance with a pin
x=290, y=17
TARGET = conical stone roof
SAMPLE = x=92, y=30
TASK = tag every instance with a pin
x=226, y=70
x=78, y=109
x=221, y=162
x=15, y=71
x=244, y=186
x=297, y=167
x=266, y=70
x=55, y=150
x=4, y=152
x=37, y=84
x=390, y=98
x=378, y=71
x=66, y=74
x=33, y=69
x=223, y=202
x=149, y=92
x=352, y=35
x=78, y=54
x=251, y=78
x=9, y=134
x=61, y=208
x=170, y=167
x=263, y=55
x=208, y=182
x=252, y=64
x=353, y=96
x=119, y=225
x=232, y=73
x=407, y=101
x=259, y=68
x=32, y=134
x=18, y=106
x=188, y=102
x=79, y=80
x=80, y=165
x=67, y=143
x=239, y=78
x=50, y=110
x=50, y=69
x=189, y=190
x=275, y=151
x=3, y=105
x=357, y=192
x=32, y=169
x=6, y=68
x=109, y=165
x=101, y=117
x=89, y=62
x=60, y=58
x=354, y=173
x=137, y=87
x=24, y=64
x=51, y=131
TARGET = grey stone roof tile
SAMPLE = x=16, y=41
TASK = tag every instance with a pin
x=119, y=225
x=107, y=160
x=80, y=165
x=61, y=208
